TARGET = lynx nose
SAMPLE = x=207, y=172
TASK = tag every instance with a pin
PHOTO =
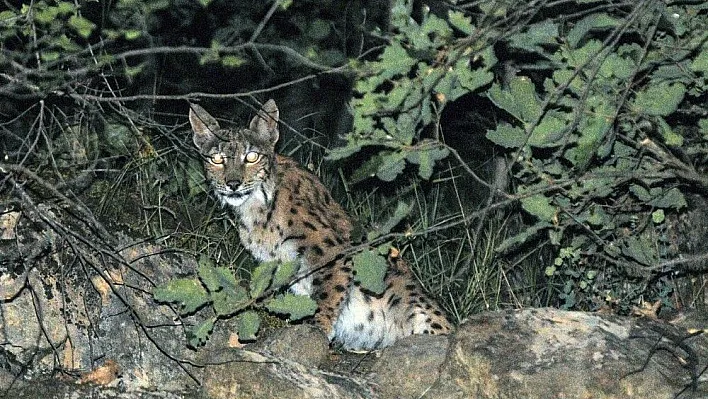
x=234, y=184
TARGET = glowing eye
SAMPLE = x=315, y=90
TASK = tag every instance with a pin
x=252, y=157
x=216, y=159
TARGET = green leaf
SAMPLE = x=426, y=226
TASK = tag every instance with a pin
x=659, y=99
x=262, y=277
x=368, y=169
x=473, y=79
x=230, y=300
x=331, y=57
x=671, y=72
x=65, y=8
x=402, y=210
x=507, y=136
x=199, y=334
x=120, y=140
x=215, y=278
x=395, y=61
x=658, y=216
x=598, y=217
x=460, y=21
x=641, y=192
x=284, y=273
x=593, y=129
x=212, y=55
x=617, y=66
x=403, y=129
x=539, y=206
x=548, y=132
x=436, y=25
x=639, y=249
x=700, y=63
x=8, y=19
x=45, y=16
x=297, y=306
x=391, y=166
x=81, y=25
x=132, y=34
x=319, y=29
x=134, y=71
x=208, y=276
x=195, y=178
x=672, y=198
x=48, y=56
x=63, y=42
x=426, y=159
x=593, y=21
x=232, y=61
x=544, y=32
x=426, y=164
x=248, y=325
x=370, y=270
x=520, y=99
x=562, y=77
x=579, y=57
x=671, y=138
x=525, y=236
x=189, y=293
x=343, y=152
x=399, y=92
x=703, y=126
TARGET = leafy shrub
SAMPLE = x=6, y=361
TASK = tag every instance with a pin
x=598, y=109
x=598, y=127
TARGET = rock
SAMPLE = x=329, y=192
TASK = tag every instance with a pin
x=304, y=344
x=409, y=367
x=548, y=353
x=245, y=374
x=75, y=314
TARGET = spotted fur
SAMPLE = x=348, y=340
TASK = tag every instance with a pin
x=285, y=214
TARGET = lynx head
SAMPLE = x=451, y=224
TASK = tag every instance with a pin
x=239, y=162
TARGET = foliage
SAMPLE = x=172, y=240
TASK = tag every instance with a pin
x=596, y=126
x=597, y=109
x=403, y=92
x=370, y=270
x=54, y=47
x=218, y=289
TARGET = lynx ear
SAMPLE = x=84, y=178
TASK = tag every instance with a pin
x=265, y=124
x=203, y=125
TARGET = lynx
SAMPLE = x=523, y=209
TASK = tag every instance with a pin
x=284, y=213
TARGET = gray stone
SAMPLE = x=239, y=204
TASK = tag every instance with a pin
x=548, y=353
x=304, y=344
x=410, y=367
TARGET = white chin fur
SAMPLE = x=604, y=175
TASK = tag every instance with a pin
x=232, y=201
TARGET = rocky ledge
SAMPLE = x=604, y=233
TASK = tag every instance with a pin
x=86, y=325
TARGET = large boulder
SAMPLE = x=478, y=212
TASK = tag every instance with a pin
x=549, y=353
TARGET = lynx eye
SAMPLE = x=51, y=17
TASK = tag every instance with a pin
x=252, y=157
x=216, y=159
